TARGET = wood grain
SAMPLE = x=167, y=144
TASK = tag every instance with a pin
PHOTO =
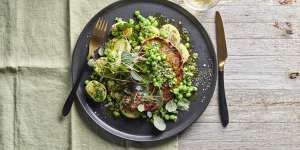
x=253, y=14
x=242, y=136
x=263, y=102
x=263, y=47
x=253, y=31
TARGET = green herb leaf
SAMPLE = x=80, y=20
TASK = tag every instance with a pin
x=183, y=105
x=171, y=106
x=127, y=58
x=141, y=108
x=159, y=123
x=135, y=76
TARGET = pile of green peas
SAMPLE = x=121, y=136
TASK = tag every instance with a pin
x=146, y=26
x=185, y=88
x=157, y=66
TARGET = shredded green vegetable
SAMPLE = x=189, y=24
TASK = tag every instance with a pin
x=144, y=71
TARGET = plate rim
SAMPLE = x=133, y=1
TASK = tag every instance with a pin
x=108, y=129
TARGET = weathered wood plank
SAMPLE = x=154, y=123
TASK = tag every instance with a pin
x=257, y=106
x=252, y=14
x=261, y=81
x=254, y=3
x=241, y=136
x=263, y=47
x=250, y=11
x=257, y=97
x=261, y=64
x=233, y=145
x=247, y=3
x=253, y=31
x=261, y=72
x=287, y=112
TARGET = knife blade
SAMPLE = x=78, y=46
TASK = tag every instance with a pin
x=222, y=55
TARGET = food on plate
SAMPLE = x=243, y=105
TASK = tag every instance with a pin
x=145, y=70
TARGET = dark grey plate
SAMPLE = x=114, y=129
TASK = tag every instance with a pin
x=140, y=130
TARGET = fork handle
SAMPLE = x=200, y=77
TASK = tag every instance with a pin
x=69, y=102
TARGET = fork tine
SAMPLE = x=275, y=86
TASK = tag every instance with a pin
x=97, y=24
x=102, y=24
x=105, y=27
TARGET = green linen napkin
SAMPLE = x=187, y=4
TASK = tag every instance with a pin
x=34, y=74
x=36, y=37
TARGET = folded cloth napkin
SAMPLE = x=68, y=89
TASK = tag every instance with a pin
x=36, y=37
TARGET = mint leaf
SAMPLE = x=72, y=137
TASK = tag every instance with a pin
x=171, y=106
x=127, y=58
x=135, y=76
x=183, y=105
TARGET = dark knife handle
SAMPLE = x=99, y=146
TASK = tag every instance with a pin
x=222, y=100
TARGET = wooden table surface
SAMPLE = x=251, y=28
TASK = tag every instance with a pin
x=263, y=40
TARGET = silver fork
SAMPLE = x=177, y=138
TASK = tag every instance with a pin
x=97, y=38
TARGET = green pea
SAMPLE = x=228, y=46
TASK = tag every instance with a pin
x=153, y=57
x=180, y=96
x=184, y=88
x=176, y=90
x=188, y=45
x=116, y=114
x=131, y=21
x=137, y=27
x=187, y=38
x=167, y=117
x=195, y=55
x=137, y=13
x=158, y=58
x=195, y=88
x=190, y=89
x=163, y=34
x=156, y=84
x=188, y=94
x=173, y=117
x=150, y=18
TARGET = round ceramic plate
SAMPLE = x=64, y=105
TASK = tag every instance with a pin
x=138, y=129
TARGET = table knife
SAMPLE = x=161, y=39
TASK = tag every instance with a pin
x=222, y=55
